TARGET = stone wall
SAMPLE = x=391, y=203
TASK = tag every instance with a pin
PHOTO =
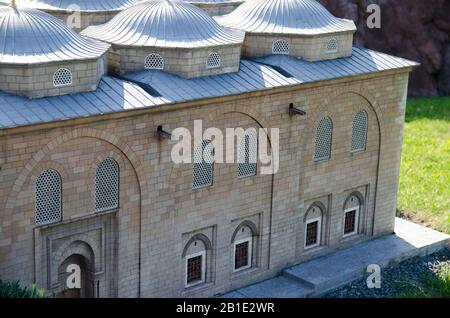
x=187, y=63
x=217, y=8
x=36, y=80
x=85, y=18
x=159, y=211
x=310, y=48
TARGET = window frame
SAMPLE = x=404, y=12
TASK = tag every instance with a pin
x=249, y=254
x=65, y=70
x=250, y=145
x=330, y=145
x=60, y=198
x=356, y=229
x=159, y=56
x=335, y=40
x=203, y=269
x=274, y=43
x=208, y=59
x=210, y=165
x=319, y=232
x=366, y=132
x=117, y=184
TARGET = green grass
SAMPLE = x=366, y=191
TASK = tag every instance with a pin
x=424, y=193
x=432, y=285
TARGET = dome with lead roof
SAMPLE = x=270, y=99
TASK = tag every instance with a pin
x=76, y=5
x=306, y=17
x=301, y=28
x=41, y=56
x=165, y=24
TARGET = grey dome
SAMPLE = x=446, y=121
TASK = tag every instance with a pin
x=307, y=17
x=166, y=24
x=83, y=5
x=29, y=36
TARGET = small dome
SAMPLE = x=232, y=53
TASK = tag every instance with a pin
x=83, y=5
x=302, y=17
x=166, y=24
x=29, y=36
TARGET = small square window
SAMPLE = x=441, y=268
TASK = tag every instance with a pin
x=312, y=231
x=350, y=222
x=194, y=270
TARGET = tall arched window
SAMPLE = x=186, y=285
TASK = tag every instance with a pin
x=280, y=47
x=352, y=211
x=248, y=152
x=107, y=185
x=62, y=77
x=154, y=61
x=203, y=166
x=243, y=248
x=324, y=134
x=48, y=193
x=359, y=131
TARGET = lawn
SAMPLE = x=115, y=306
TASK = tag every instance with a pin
x=424, y=193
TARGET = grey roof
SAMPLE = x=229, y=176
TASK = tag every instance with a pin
x=306, y=17
x=72, y=5
x=30, y=36
x=150, y=88
x=164, y=23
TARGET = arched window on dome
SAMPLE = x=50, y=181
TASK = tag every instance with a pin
x=332, y=46
x=62, y=77
x=48, y=192
x=280, y=47
x=213, y=60
x=154, y=61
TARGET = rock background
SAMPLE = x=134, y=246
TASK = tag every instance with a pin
x=413, y=29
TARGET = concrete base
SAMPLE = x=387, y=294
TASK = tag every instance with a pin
x=320, y=275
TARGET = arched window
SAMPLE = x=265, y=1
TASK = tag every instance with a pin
x=48, y=198
x=203, y=166
x=213, y=60
x=62, y=77
x=196, y=255
x=247, y=157
x=324, y=134
x=107, y=185
x=280, y=47
x=313, y=226
x=352, y=210
x=243, y=246
x=359, y=131
x=332, y=46
x=154, y=61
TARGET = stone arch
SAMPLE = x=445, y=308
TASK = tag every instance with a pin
x=356, y=194
x=319, y=205
x=248, y=224
x=197, y=237
x=27, y=171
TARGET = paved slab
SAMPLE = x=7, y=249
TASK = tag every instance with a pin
x=339, y=268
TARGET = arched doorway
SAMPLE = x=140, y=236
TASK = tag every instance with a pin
x=67, y=271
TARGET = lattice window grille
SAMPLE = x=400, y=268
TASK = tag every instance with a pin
x=247, y=159
x=48, y=198
x=324, y=134
x=154, y=61
x=107, y=185
x=332, y=46
x=203, y=166
x=280, y=47
x=62, y=77
x=359, y=131
x=213, y=60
